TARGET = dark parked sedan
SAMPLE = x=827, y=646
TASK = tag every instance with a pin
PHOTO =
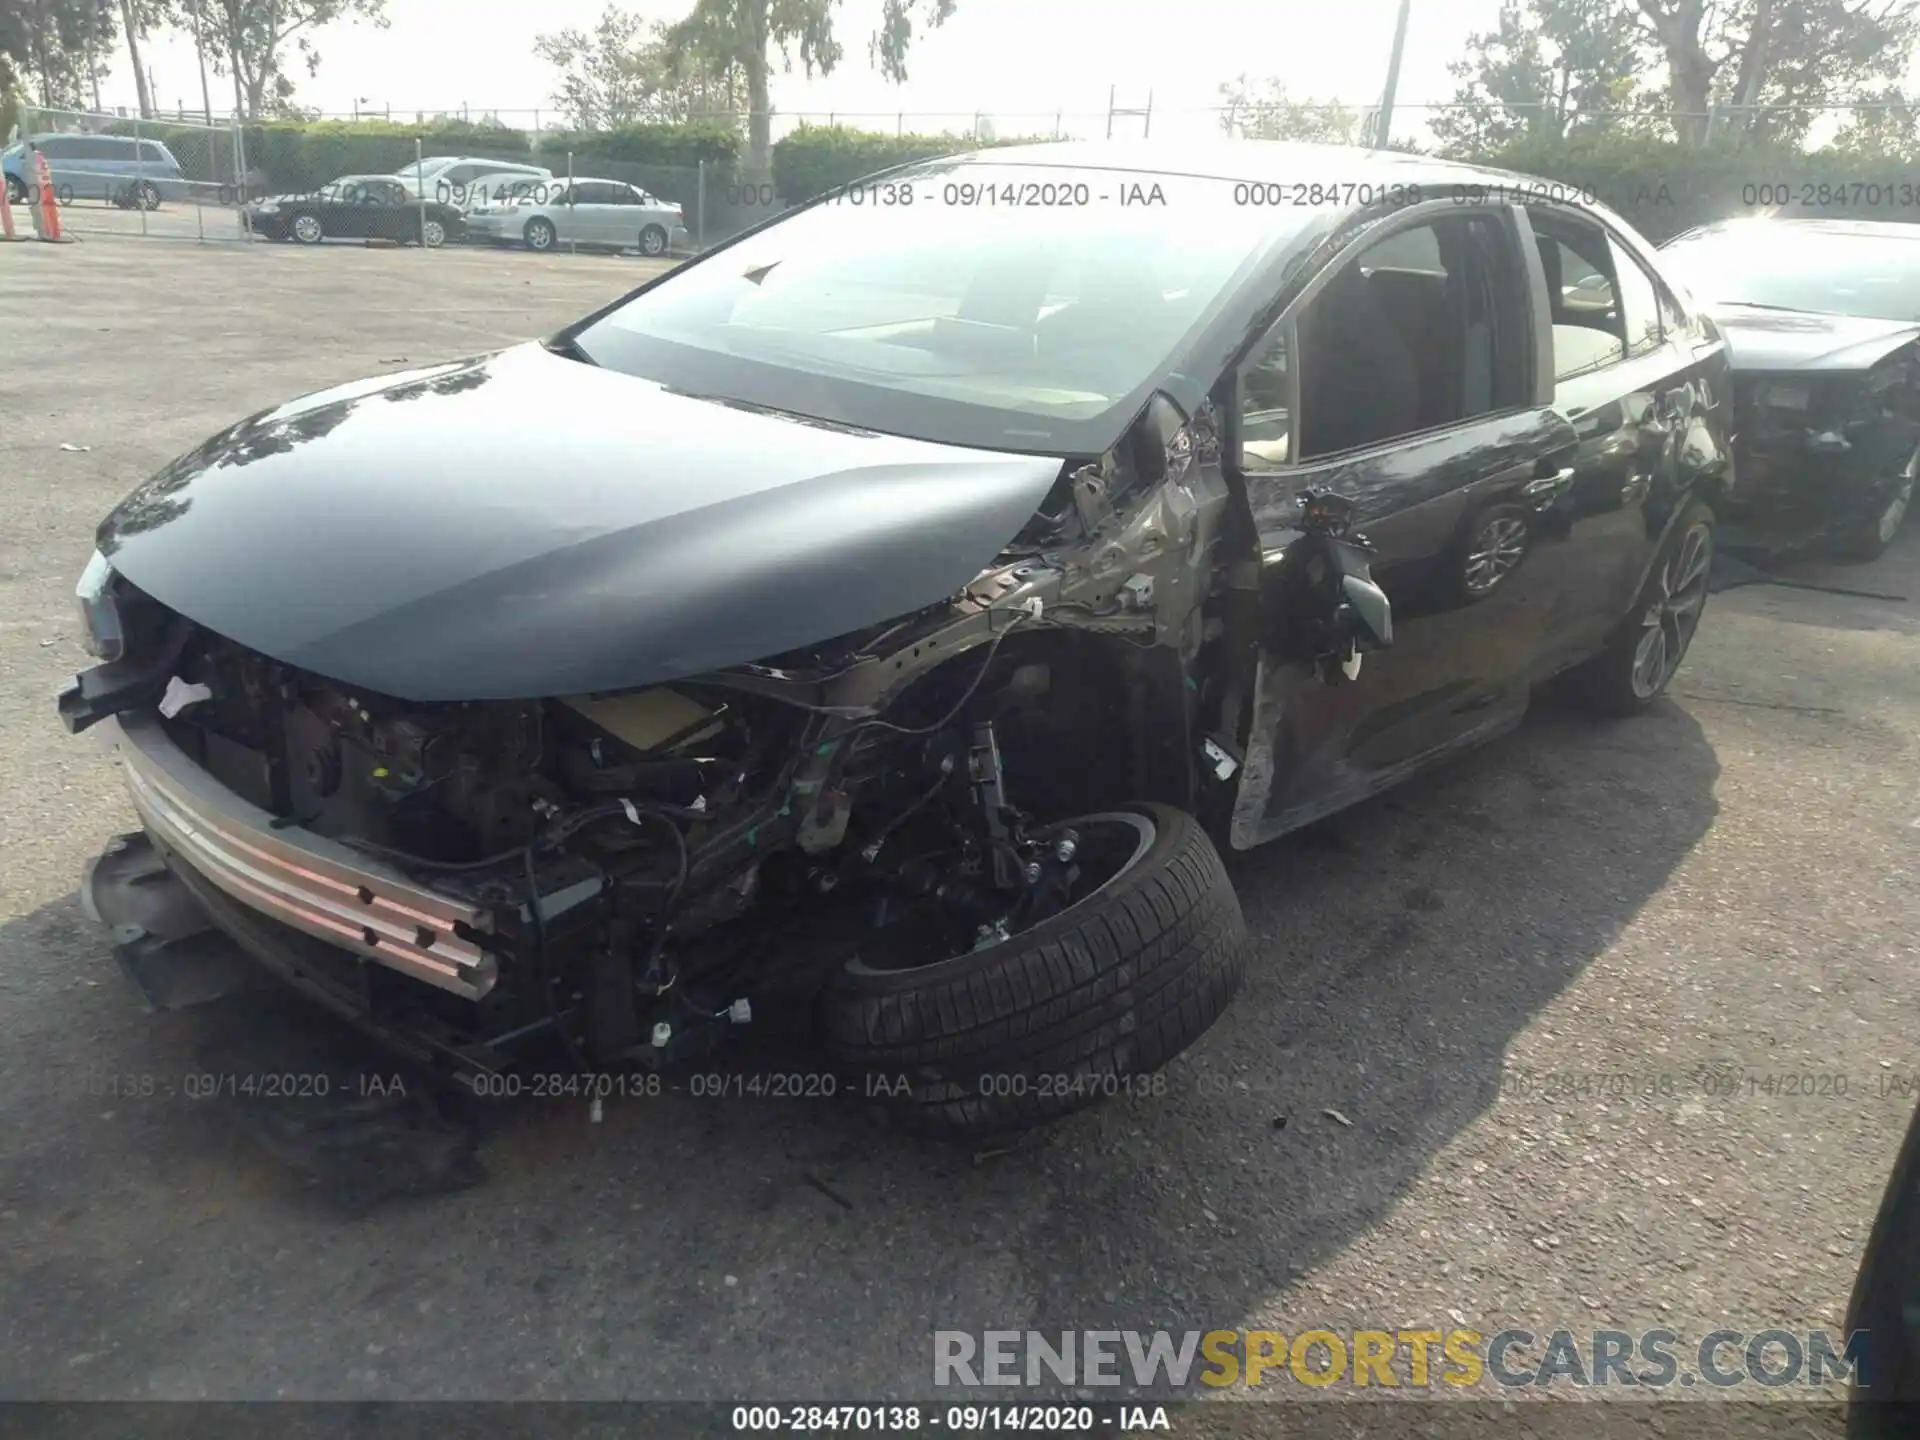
x=1822, y=317
x=895, y=609
x=355, y=207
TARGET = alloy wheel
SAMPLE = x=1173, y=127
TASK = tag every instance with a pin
x=433, y=234
x=306, y=229
x=1673, y=613
x=653, y=241
x=1494, y=553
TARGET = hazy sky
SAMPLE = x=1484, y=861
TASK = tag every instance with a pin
x=1018, y=61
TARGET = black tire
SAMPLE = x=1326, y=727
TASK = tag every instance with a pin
x=1057, y=1017
x=539, y=233
x=144, y=196
x=1613, y=682
x=653, y=241
x=304, y=228
x=433, y=233
x=16, y=192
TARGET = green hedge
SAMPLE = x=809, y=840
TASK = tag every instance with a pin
x=1662, y=188
x=296, y=155
x=815, y=158
x=681, y=146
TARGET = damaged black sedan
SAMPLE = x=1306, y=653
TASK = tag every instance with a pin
x=890, y=611
x=1823, y=321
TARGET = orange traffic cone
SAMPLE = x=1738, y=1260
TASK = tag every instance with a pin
x=49, y=206
x=6, y=213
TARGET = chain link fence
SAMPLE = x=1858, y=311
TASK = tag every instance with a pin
x=1425, y=123
x=131, y=177
x=182, y=179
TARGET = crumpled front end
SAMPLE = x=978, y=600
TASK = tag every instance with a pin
x=1821, y=454
x=625, y=874
x=296, y=877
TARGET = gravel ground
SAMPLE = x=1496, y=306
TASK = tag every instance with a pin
x=1722, y=885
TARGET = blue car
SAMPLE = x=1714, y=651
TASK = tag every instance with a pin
x=117, y=168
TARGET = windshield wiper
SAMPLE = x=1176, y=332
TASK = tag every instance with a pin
x=1784, y=309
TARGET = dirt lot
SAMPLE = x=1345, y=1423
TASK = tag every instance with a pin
x=1724, y=883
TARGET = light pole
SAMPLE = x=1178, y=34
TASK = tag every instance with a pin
x=1383, y=123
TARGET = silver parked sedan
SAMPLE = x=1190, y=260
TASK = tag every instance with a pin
x=608, y=214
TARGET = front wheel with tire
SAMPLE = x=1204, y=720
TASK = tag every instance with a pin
x=307, y=229
x=144, y=196
x=433, y=234
x=1082, y=1006
x=653, y=241
x=1647, y=648
x=539, y=233
x=16, y=192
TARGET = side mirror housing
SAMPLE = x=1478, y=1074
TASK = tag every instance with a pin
x=1369, y=613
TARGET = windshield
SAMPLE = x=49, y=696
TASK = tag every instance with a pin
x=1792, y=268
x=1004, y=306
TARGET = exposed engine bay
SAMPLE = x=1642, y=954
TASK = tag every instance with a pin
x=660, y=865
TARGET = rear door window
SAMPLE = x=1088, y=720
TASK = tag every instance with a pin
x=1589, y=332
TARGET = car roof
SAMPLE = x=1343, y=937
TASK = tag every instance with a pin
x=445, y=160
x=1881, y=229
x=85, y=135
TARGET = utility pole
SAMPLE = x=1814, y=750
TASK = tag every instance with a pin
x=1383, y=125
x=199, y=50
x=239, y=100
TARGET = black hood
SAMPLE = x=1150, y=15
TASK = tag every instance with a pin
x=1774, y=341
x=526, y=525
